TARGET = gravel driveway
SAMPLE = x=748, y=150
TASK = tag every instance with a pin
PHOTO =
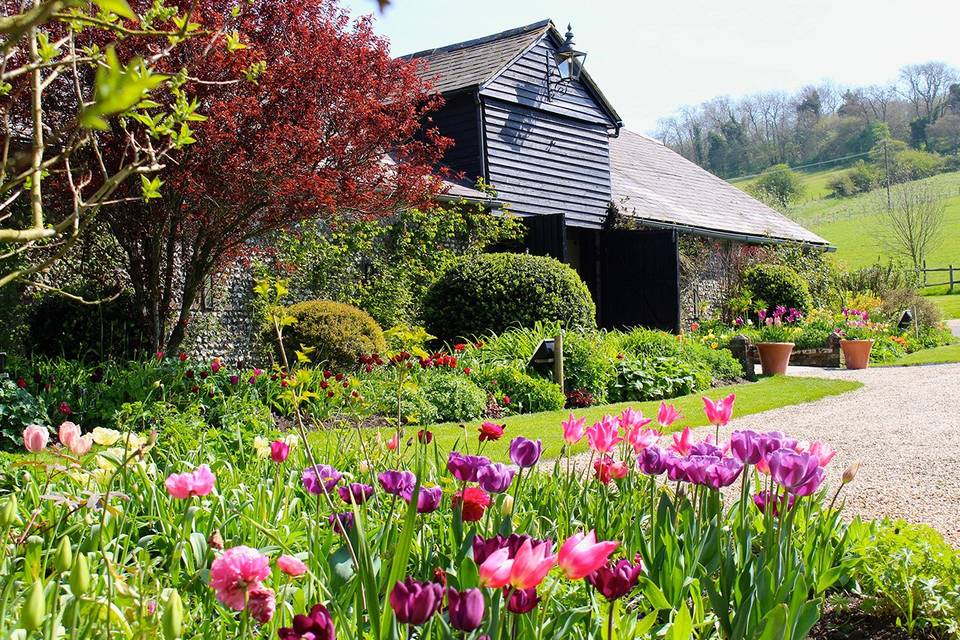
x=903, y=425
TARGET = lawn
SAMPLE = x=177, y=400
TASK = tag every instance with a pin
x=854, y=225
x=768, y=393
x=949, y=304
x=939, y=355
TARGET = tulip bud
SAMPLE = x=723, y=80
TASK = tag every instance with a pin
x=506, y=509
x=34, y=608
x=80, y=576
x=63, y=560
x=850, y=472
x=215, y=541
x=172, y=622
x=9, y=512
x=31, y=559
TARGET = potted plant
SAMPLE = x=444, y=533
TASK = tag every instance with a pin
x=856, y=338
x=774, y=338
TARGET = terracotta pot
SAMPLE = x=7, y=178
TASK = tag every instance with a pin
x=856, y=353
x=774, y=357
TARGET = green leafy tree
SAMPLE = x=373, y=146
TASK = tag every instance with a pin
x=780, y=183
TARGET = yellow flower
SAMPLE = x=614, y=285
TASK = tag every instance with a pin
x=262, y=446
x=291, y=440
x=134, y=440
x=105, y=437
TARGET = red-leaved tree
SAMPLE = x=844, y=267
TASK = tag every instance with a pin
x=324, y=122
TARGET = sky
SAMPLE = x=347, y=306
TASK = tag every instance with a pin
x=651, y=57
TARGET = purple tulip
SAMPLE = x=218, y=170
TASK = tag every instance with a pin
x=525, y=453
x=414, y=602
x=465, y=608
x=723, y=473
x=320, y=479
x=397, y=483
x=356, y=493
x=482, y=548
x=706, y=449
x=465, y=468
x=523, y=600
x=746, y=446
x=768, y=497
x=428, y=500
x=652, y=461
x=495, y=477
x=341, y=522
x=615, y=580
x=773, y=440
x=800, y=473
x=676, y=468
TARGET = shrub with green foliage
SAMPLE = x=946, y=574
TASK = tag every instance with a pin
x=456, y=398
x=773, y=285
x=18, y=409
x=339, y=333
x=909, y=572
x=496, y=292
x=779, y=183
x=589, y=363
x=61, y=327
x=655, y=378
x=527, y=393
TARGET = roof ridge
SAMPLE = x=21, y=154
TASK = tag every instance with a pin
x=541, y=24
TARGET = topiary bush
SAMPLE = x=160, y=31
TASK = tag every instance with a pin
x=495, y=292
x=339, y=332
x=772, y=285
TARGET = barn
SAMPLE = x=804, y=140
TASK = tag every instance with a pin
x=527, y=119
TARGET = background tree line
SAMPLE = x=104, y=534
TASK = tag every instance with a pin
x=819, y=123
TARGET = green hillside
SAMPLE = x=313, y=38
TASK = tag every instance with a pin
x=815, y=183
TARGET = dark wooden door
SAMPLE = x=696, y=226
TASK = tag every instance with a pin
x=546, y=236
x=639, y=280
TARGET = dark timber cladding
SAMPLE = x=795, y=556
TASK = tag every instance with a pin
x=545, y=164
x=459, y=120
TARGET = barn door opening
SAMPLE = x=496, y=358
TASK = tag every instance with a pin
x=546, y=236
x=639, y=280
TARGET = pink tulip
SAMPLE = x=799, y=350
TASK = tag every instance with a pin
x=667, y=414
x=531, y=565
x=291, y=566
x=198, y=482
x=719, y=412
x=35, y=438
x=631, y=419
x=393, y=442
x=823, y=452
x=495, y=570
x=581, y=555
x=82, y=445
x=640, y=438
x=681, y=442
x=603, y=436
x=68, y=434
x=573, y=429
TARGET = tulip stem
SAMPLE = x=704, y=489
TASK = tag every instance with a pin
x=610, y=620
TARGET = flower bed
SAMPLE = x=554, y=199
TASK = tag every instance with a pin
x=220, y=540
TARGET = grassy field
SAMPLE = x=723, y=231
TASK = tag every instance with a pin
x=768, y=393
x=854, y=225
x=815, y=183
x=949, y=305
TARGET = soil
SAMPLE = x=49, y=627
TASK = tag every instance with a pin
x=852, y=623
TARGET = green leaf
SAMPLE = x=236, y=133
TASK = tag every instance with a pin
x=776, y=624
x=150, y=188
x=654, y=594
x=682, y=627
x=119, y=7
x=118, y=88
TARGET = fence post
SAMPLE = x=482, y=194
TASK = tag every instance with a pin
x=558, y=360
x=924, y=273
x=950, y=290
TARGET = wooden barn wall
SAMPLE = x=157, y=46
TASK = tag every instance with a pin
x=524, y=82
x=541, y=163
x=459, y=119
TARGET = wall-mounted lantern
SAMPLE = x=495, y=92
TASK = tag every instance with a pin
x=569, y=63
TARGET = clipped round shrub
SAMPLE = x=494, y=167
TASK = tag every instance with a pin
x=456, y=398
x=339, y=332
x=491, y=293
x=774, y=285
x=528, y=394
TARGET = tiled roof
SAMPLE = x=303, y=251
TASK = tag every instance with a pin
x=661, y=188
x=454, y=190
x=471, y=63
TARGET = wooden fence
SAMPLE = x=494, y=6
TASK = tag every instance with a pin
x=951, y=278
